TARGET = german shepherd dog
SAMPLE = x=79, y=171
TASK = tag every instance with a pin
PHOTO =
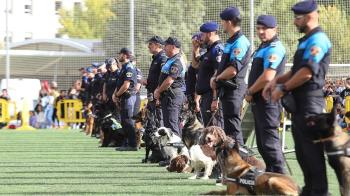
x=336, y=143
x=149, y=122
x=241, y=177
x=89, y=124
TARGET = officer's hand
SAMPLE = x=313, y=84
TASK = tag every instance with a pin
x=156, y=94
x=276, y=95
x=195, y=44
x=114, y=98
x=214, y=105
x=157, y=102
x=197, y=108
x=269, y=87
x=213, y=83
x=248, y=98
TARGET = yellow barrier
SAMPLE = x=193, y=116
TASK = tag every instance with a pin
x=347, y=108
x=329, y=103
x=4, y=113
x=70, y=111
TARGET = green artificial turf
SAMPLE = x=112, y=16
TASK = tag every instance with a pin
x=66, y=162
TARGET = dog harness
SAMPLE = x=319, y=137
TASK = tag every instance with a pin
x=177, y=145
x=343, y=150
x=247, y=180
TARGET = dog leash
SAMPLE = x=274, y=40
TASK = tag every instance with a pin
x=345, y=152
x=213, y=115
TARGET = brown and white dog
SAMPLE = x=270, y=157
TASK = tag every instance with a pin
x=336, y=143
x=242, y=177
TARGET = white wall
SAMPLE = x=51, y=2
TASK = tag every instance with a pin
x=42, y=23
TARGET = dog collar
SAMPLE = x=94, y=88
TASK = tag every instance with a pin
x=175, y=144
x=345, y=152
x=337, y=132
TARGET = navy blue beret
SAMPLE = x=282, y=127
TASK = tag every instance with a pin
x=304, y=7
x=230, y=13
x=173, y=41
x=267, y=21
x=209, y=27
x=126, y=51
x=156, y=39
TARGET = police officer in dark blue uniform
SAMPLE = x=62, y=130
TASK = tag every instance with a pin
x=268, y=61
x=125, y=96
x=155, y=47
x=172, y=85
x=207, y=65
x=110, y=84
x=305, y=82
x=231, y=72
x=137, y=87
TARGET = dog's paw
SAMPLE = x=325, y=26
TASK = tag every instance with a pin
x=204, y=178
x=193, y=177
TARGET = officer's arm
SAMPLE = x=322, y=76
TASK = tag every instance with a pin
x=264, y=78
x=123, y=88
x=303, y=75
x=227, y=74
x=283, y=78
x=166, y=84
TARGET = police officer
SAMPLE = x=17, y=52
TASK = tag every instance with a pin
x=305, y=82
x=268, y=61
x=208, y=64
x=137, y=87
x=110, y=84
x=231, y=72
x=172, y=85
x=155, y=47
x=125, y=95
x=97, y=83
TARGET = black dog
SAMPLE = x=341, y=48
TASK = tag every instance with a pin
x=150, y=124
x=113, y=135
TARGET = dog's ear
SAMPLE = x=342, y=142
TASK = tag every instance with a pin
x=162, y=131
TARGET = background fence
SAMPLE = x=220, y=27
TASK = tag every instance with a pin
x=96, y=29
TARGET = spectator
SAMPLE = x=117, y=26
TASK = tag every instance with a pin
x=346, y=91
x=32, y=118
x=40, y=117
x=4, y=95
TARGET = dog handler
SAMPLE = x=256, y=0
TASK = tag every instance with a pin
x=268, y=61
x=305, y=82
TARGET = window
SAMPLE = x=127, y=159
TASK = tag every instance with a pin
x=28, y=7
x=28, y=35
x=58, y=6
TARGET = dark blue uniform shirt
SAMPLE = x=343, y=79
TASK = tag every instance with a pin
x=175, y=68
x=209, y=63
x=236, y=54
x=128, y=73
x=111, y=82
x=154, y=71
x=269, y=55
x=314, y=52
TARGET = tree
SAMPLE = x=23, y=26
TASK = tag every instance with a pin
x=86, y=23
x=179, y=18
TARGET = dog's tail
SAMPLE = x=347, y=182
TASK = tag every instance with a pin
x=222, y=192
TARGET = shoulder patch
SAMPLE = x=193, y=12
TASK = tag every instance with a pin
x=273, y=58
x=315, y=50
x=174, y=70
x=236, y=51
x=129, y=74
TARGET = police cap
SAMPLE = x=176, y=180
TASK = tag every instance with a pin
x=156, y=39
x=267, y=21
x=304, y=7
x=230, y=13
x=209, y=27
x=173, y=41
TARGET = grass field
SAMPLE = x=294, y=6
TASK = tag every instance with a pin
x=66, y=162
